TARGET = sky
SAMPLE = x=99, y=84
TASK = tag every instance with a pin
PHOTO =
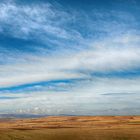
x=70, y=57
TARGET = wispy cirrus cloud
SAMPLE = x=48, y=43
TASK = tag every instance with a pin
x=43, y=22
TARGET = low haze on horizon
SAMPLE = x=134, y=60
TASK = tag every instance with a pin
x=72, y=57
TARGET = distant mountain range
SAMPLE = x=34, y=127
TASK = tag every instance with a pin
x=10, y=116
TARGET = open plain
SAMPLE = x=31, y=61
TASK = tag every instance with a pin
x=71, y=128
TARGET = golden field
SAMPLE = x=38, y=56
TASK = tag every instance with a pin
x=72, y=128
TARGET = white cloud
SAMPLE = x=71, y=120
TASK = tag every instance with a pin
x=35, y=21
x=89, y=97
x=103, y=57
x=117, y=50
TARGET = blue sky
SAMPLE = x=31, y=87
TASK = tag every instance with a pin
x=70, y=57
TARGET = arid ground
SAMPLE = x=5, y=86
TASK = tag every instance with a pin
x=72, y=128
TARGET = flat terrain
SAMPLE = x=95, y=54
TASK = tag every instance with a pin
x=72, y=128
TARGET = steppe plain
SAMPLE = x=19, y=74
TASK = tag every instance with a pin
x=71, y=128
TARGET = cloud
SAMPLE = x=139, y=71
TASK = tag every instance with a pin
x=44, y=22
x=70, y=56
x=104, y=57
x=86, y=99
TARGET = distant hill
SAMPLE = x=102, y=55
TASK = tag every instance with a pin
x=10, y=116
